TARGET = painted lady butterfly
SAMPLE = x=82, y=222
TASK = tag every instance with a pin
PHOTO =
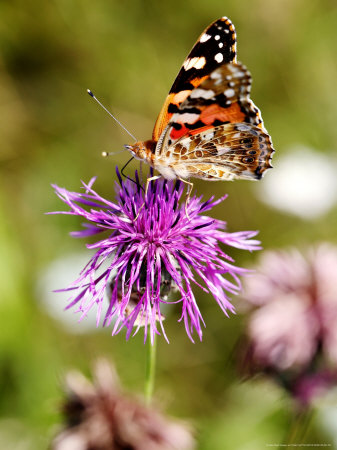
x=208, y=127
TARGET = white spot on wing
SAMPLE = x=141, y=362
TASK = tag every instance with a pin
x=220, y=44
x=181, y=96
x=202, y=93
x=188, y=117
x=217, y=37
x=218, y=57
x=229, y=92
x=223, y=150
x=205, y=37
x=243, y=127
x=208, y=137
x=216, y=75
x=196, y=63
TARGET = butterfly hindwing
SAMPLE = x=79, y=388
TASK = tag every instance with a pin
x=216, y=46
x=229, y=151
x=223, y=97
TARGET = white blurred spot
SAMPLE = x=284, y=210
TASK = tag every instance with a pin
x=327, y=414
x=58, y=275
x=303, y=182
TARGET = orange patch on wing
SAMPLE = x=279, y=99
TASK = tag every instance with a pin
x=198, y=80
x=200, y=130
x=215, y=112
x=208, y=116
x=162, y=119
x=176, y=99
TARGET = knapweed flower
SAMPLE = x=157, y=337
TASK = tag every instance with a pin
x=99, y=416
x=293, y=328
x=155, y=244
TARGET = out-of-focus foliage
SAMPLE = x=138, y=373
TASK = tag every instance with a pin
x=128, y=53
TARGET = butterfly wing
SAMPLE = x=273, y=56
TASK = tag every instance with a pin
x=218, y=132
x=225, y=152
x=224, y=97
x=216, y=46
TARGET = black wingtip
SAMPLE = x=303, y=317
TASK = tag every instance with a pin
x=90, y=93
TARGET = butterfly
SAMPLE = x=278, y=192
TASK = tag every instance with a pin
x=208, y=127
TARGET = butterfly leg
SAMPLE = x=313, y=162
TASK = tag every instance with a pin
x=188, y=195
x=148, y=181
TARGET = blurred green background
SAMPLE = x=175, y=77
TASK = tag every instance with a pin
x=128, y=53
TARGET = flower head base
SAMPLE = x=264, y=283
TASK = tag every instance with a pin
x=152, y=247
x=100, y=416
x=293, y=328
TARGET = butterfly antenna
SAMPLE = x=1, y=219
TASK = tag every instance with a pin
x=110, y=114
x=106, y=154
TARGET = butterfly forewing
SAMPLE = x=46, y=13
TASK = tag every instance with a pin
x=216, y=46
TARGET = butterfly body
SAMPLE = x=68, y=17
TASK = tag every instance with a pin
x=209, y=128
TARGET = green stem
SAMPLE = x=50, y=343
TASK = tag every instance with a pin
x=150, y=369
x=299, y=427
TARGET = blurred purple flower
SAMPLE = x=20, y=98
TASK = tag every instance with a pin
x=293, y=328
x=99, y=416
x=308, y=386
x=151, y=250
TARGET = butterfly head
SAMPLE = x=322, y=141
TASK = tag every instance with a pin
x=144, y=151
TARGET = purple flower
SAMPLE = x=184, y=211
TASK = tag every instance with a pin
x=152, y=248
x=292, y=330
